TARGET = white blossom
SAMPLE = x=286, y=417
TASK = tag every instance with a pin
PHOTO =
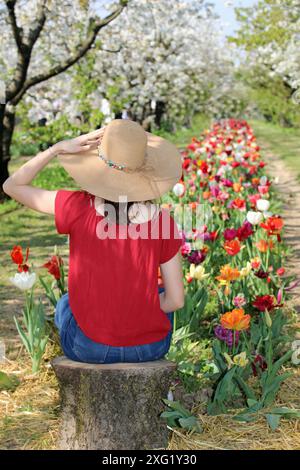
x=179, y=189
x=254, y=217
x=262, y=205
x=23, y=280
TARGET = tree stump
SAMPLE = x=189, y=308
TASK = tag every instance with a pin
x=113, y=406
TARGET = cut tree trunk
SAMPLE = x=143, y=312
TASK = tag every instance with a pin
x=113, y=406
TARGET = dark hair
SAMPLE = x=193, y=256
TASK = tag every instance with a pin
x=120, y=212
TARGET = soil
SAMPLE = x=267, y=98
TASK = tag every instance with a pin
x=288, y=186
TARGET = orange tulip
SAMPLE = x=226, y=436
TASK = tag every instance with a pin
x=237, y=187
x=232, y=247
x=227, y=274
x=255, y=181
x=235, y=320
x=239, y=204
x=273, y=226
x=263, y=246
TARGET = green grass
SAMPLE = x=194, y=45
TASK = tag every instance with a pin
x=183, y=135
x=284, y=142
x=53, y=176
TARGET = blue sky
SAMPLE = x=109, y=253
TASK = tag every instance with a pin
x=225, y=9
x=227, y=13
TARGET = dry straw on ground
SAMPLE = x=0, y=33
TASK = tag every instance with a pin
x=29, y=417
x=223, y=433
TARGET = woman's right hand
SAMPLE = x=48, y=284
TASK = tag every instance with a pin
x=81, y=143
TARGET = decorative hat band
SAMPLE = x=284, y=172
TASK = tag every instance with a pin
x=116, y=166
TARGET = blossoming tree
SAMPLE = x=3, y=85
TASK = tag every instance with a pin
x=270, y=36
x=39, y=40
x=170, y=64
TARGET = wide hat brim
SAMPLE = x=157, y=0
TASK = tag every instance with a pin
x=162, y=170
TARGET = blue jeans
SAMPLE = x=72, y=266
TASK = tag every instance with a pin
x=78, y=347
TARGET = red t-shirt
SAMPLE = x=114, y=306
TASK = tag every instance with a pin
x=112, y=282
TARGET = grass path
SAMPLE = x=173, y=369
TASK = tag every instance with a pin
x=281, y=150
x=283, y=142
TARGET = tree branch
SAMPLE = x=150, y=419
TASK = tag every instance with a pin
x=94, y=28
x=39, y=24
x=24, y=45
x=17, y=32
x=109, y=50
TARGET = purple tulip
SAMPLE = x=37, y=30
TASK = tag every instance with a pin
x=230, y=233
x=223, y=334
x=196, y=257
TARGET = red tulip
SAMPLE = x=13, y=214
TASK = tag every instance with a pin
x=245, y=231
x=17, y=257
x=232, y=247
x=280, y=271
x=229, y=234
x=273, y=226
x=264, y=302
x=53, y=266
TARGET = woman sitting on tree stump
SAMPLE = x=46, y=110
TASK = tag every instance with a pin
x=119, y=237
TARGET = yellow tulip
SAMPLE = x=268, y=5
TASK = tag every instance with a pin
x=241, y=359
x=198, y=272
x=228, y=359
x=247, y=270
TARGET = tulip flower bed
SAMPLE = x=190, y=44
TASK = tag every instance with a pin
x=233, y=338
x=234, y=328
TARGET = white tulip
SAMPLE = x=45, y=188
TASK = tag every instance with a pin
x=23, y=280
x=267, y=214
x=262, y=205
x=178, y=189
x=254, y=217
x=263, y=180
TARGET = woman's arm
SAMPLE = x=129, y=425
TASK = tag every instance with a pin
x=173, y=296
x=18, y=184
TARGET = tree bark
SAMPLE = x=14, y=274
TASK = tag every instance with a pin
x=159, y=111
x=113, y=406
x=4, y=156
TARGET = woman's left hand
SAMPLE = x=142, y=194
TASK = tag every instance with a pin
x=81, y=143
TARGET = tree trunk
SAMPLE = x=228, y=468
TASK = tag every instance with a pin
x=3, y=176
x=113, y=406
x=7, y=120
x=159, y=111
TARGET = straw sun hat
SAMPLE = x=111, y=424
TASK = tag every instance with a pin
x=128, y=162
